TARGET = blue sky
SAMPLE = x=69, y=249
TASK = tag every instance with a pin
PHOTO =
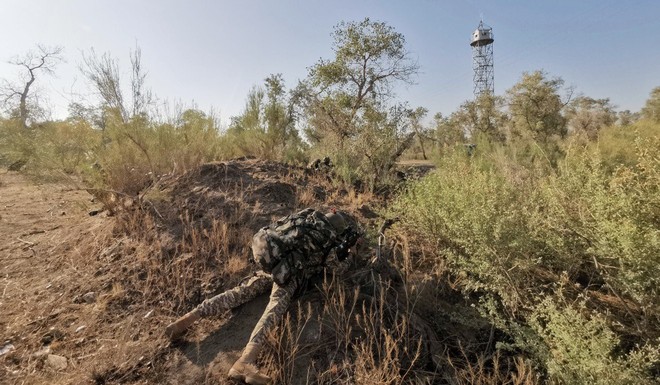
x=212, y=52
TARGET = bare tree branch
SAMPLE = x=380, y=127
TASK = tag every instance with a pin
x=103, y=73
x=42, y=60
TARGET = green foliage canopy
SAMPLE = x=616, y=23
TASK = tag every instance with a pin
x=536, y=106
x=651, y=109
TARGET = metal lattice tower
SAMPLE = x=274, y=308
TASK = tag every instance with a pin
x=482, y=59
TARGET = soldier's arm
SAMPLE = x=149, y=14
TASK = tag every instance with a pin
x=340, y=264
x=337, y=266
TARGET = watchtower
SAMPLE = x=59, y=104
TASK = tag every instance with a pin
x=482, y=59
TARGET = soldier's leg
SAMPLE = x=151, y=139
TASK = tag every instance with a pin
x=245, y=368
x=246, y=291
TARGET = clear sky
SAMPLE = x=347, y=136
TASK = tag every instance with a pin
x=212, y=52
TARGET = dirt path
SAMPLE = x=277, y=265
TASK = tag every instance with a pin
x=211, y=348
x=45, y=234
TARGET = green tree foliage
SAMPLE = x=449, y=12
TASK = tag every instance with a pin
x=537, y=124
x=384, y=136
x=422, y=133
x=536, y=106
x=588, y=116
x=626, y=117
x=483, y=116
x=651, y=109
x=266, y=127
x=447, y=133
x=347, y=101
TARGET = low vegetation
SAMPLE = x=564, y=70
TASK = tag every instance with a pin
x=529, y=255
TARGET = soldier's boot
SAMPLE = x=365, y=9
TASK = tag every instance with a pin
x=178, y=327
x=245, y=369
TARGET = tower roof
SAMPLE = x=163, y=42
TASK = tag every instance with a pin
x=483, y=35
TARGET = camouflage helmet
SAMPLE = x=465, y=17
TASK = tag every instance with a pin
x=337, y=221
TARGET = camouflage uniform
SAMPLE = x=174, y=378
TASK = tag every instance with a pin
x=324, y=164
x=245, y=292
x=306, y=265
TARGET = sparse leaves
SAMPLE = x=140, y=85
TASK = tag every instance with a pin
x=651, y=109
x=19, y=97
x=348, y=100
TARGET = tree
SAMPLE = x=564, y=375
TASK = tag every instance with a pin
x=125, y=121
x=350, y=97
x=103, y=74
x=266, y=127
x=482, y=116
x=651, y=109
x=382, y=139
x=370, y=57
x=536, y=106
x=18, y=96
x=588, y=116
x=415, y=116
x=626, y=117
x=278, y=114
x=447, y=132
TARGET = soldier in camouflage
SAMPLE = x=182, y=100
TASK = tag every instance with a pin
x=304, y=262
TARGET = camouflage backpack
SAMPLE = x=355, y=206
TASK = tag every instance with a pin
x=283, y=247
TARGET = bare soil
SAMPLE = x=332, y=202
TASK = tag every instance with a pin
x=45, y=267
x=85, y=299
x=51, y=256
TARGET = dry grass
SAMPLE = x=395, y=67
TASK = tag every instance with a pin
x=345, y=335
x=492, y=370
x=189, y=241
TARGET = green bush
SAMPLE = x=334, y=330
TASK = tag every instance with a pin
x=617, y=143
x=508, y=230
x=609, y=221
x=494, y=220
x=573, y=345
x=580, y=348
x=16, y=143
x=136, y=152
x=50, y=150
x=477, y=219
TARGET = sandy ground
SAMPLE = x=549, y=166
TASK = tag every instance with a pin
x=52, y=254
x=44, y=234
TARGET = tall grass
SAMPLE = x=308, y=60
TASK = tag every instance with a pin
x=347, y=337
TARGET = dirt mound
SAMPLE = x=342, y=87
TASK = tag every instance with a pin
x=98, y=291
x=243, y=192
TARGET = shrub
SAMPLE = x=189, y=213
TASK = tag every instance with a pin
x=609, y=221
x=507, y=232
x=576, y=346
x=135, y=152
x=617, y=143
x=476, y=218
x=50, y=150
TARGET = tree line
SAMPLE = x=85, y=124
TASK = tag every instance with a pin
x=345, y=108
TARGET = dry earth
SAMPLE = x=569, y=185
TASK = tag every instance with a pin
x=54, y=285
x=46, y=267
x=76, y=305
x=85, y=299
